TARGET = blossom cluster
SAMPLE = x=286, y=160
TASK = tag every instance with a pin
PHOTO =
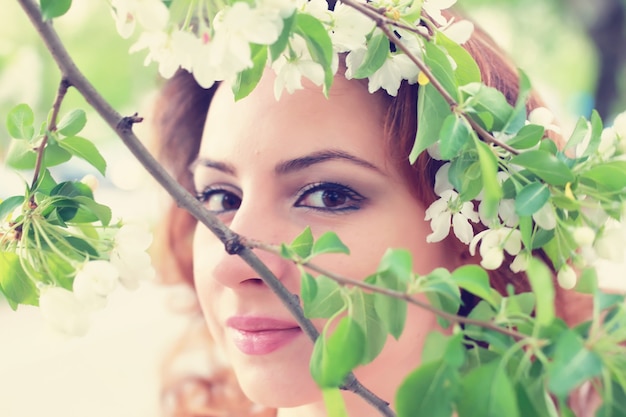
x=244, y=38
x=68, y=312
x=598, y=236
x=220, y=47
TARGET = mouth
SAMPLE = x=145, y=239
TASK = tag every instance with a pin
x=261, y=335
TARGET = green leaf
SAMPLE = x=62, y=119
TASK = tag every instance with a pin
x=531, y=198
x=541, y=282
x=327, y=299
x=487, y=391
x=94, y=211
x=399, y=262
x=610, y=176
x=572, y=365
x=377, y=53
x=335, y=405
x=14, y=282
x=578, y=135
x=308, y=288
x=442, y=293
x=488, y=99
x=454, y=135
x=364, y=313
x=489, y=170
x=84, y=149
x=248, y=79
x=546, y=166
x=430, y=391
x=72, y=123
x=329, y=242
x=20, y=122
x=464, y=174
x=527, y=137
x=467, y=71
x=82, y=246
x=10, y=204
x=303, y=243
x=21, y=155
x=279, y=46
x=474, y=279
x=72, y=189
x=318, y=43
x=432, y=110
x=54, y=8
x=392, y=311
x=533, y=399
x=334, y=358
x=517, y=120
x=438, y=61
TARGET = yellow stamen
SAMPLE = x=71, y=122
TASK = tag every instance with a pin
x=422, y=79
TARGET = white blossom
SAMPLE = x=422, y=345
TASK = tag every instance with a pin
x=289, y=74
x=449, y=210
x=584, y=235
x=290, y=70
x=235, y=28
x=545, y=217
x=152, y=15
x=459, y=32
x=434, y=7
x=521, y=261
x=493, y=243
x=94, y=282
x=543, y=117
x=129, y=255
x=610, y=244
x=63, y=312
x=349, y=29
x=170, y=51
x=566, y=277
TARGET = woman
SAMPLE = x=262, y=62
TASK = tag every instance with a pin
x=270, y=168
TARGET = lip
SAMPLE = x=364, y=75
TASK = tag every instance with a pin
x=254, y=335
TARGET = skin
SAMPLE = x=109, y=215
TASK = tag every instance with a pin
x=265, y=167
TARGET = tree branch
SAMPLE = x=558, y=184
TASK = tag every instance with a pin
x=383, y=23
x=52, y=126
x=395, y=294
x=232, y=241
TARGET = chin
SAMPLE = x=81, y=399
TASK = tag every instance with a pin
x=280, y=386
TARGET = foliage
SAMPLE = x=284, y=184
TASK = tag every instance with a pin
x=511, y=355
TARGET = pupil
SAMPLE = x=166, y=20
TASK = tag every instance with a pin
x=333, y=198
x=230, y=202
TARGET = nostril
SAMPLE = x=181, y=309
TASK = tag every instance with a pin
x=254, y=281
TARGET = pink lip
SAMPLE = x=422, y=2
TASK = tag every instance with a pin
x=261, y=335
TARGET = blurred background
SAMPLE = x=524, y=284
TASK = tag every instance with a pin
x=573, y=50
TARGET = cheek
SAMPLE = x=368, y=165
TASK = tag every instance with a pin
x=206, y=253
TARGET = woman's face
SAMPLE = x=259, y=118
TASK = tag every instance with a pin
x=269, y=169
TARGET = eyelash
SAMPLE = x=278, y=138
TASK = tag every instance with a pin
x=353, y=200
x=205, y=195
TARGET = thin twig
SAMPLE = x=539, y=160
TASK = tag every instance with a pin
x=231, y=240
x=395, y=294
x=383, y=23
x=64, y=85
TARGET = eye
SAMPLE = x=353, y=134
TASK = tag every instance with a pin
x=329, y=196
x=219, y=199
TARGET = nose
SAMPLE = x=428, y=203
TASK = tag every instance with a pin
x=264, y=226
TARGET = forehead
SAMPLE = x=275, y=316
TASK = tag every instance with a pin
x=350, y=120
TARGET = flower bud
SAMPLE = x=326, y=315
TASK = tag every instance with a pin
x=567, y=277
x=62, y=311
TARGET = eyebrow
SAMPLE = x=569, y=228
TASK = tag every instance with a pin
x=303, y=162
x=292, y=165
